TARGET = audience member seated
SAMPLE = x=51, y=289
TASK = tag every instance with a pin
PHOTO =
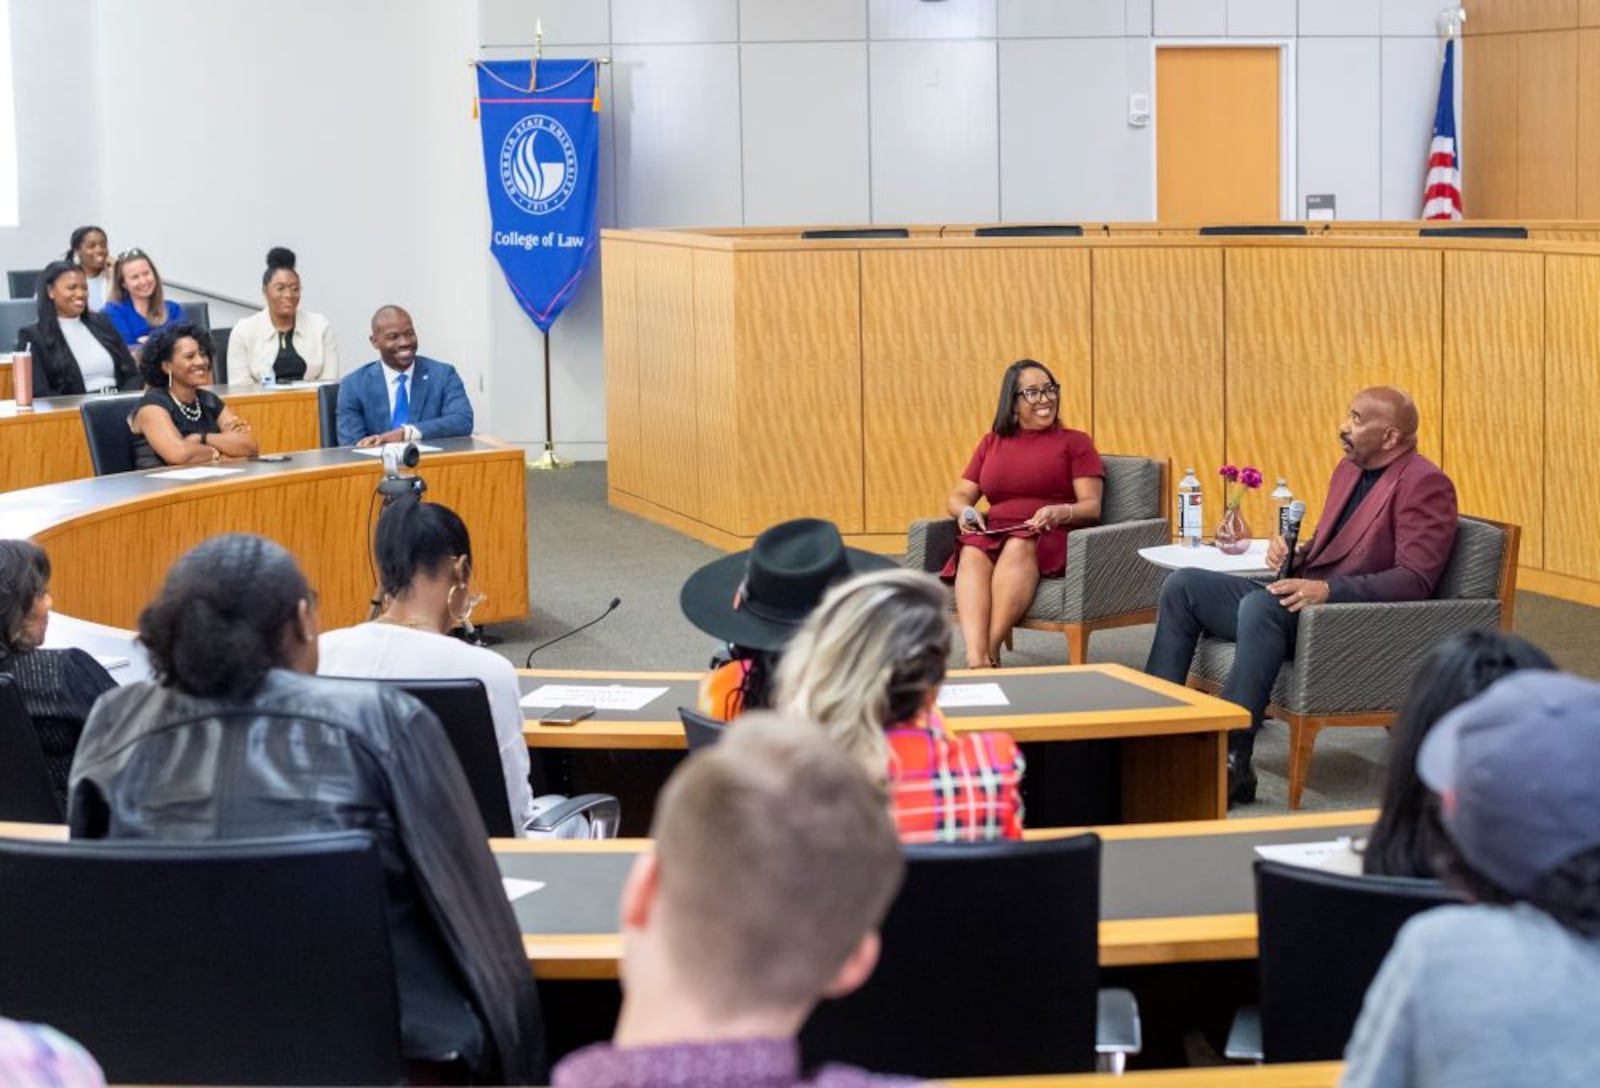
x=755, y=600
x=88, y=249
x=74, y=349
x=57, y=686
x=425, y=568
x=282, y=340
x=401, y=396
x=234, y=740
x=1407, y=839
x=867, y=665
x=1041, y=480
x=178, y=421
x=774, y=864
x=1388, y=527
x=1502, y=992
x=138, y=303
x=36, y=1056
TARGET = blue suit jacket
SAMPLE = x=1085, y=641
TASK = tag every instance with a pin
x=439, y=404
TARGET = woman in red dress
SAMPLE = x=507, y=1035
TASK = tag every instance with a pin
x=1041, y=480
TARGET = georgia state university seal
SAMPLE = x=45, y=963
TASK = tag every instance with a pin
x=538, y=164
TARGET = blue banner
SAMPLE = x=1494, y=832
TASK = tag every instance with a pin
x=541, y=157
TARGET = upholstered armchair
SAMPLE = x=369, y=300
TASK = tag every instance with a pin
x=1106, y=584
x=1354, y=663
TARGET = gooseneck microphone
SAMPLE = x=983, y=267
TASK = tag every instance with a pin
x=1291, y=536
x=610, y=608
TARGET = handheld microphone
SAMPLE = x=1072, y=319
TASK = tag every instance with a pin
x=1291, y=536
x=610, y=608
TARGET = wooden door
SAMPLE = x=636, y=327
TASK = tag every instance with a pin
x=1218, y=129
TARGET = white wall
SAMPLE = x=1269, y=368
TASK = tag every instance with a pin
x=343, y=129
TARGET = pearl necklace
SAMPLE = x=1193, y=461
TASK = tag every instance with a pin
x=191, y=412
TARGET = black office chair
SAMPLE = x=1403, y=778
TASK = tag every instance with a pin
x=105, y=426
x=462, y=707
x=250, y=962
x=870, y=232
x=1323, y=937
x=22, y=282
x=700, y=730
x=13, y=316
x=219, y=355
x=1473, y=232
x=990, y=967
x=25, y=790
x=1038, y=230
x=1289, y=229
x=328, y=413
x=196, y=313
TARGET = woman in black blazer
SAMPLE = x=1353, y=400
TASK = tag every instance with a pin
x=75, y=350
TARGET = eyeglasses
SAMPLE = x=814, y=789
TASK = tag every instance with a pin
x=1033, y=394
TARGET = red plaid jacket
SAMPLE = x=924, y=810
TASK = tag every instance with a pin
x=947, y=787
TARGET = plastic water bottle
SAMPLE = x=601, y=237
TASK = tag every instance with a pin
x=1282, y=497
x=1190, y=509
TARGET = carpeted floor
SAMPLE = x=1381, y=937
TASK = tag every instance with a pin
x=582, y=553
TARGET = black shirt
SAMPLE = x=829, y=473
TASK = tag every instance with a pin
x=58, y=687
x=288, y=366
x=1369, y=479
x=210, y=406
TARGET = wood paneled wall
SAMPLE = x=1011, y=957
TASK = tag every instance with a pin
x=852, y=381
x=1531, y=110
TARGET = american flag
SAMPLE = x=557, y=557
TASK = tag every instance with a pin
x=1441, y=196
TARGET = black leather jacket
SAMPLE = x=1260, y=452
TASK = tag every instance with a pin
x=154, y=763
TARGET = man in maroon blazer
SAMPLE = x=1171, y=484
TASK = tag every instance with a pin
x=1387, y=530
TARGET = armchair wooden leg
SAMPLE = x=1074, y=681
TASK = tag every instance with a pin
x=1077, y=643
x=1302, y=739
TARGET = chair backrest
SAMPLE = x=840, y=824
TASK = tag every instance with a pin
x=700, y=730
x=1291, y=229
x=25, y=790
x=1323, y=937
x=1483, y=563
x=870, y=232
x=251, y=962
x=219, y=355
x=22, y=282
x=1035, y=230
x=13, y=315
x=462, y=707
x=1135, y=488
x=328, y=413
x=105, y=427
x=990, y=966
x=1473, y=232
x=196, y=313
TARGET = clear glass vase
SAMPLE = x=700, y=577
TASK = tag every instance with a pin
x=1233, y=534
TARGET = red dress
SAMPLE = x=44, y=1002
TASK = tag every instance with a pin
x=1018, y=475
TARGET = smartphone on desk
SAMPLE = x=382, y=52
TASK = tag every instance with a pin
x=566, y=715
x=273, y=458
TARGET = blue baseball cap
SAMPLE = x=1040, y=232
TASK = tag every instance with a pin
x=1517, y=771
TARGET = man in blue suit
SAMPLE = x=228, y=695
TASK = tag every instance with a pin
x=403, y=396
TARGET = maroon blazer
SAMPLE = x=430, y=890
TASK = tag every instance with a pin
x=1396, y=544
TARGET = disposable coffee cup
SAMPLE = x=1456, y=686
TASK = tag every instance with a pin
x=22, y=379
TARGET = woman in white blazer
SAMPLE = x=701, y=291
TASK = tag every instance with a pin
x=283, y=341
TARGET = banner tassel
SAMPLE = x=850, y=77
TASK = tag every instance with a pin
x=596, y=104
x=474, y=107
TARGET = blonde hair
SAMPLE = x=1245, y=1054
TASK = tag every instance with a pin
x=867, y=658
x=777, y=855
x=118, y=291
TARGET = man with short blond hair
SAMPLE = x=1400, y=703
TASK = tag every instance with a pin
x=775, y=861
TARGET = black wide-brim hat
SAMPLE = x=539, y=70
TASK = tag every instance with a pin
x=756, y=599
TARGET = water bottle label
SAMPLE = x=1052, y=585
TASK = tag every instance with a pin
x=1189, y=515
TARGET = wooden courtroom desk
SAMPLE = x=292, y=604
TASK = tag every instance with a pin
x=1169, y=893
x=753, y=377
x=112, y=538
x=5, y=379
x=1173, y=739
x=45, y=445
x=1287, y=1075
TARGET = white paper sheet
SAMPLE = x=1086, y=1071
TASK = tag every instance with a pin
x=109, y=662
x=964, y=695
x=599, y=696
x=198, y=472
x=1334, y=856
x=516, y=889
x=377, y=451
